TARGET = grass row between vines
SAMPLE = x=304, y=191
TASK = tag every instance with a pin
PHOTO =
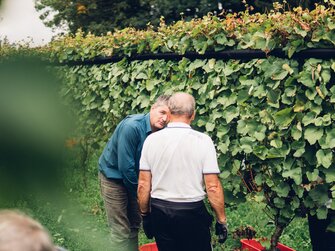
x=76, y=219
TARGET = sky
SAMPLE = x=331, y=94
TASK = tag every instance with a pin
x=19, y=21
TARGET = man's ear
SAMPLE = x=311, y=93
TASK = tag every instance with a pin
x=168, y=118
x=193, y=116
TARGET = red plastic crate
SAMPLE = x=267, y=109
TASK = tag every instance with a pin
x=253, y=245
x=282, y=247
x=149, y=247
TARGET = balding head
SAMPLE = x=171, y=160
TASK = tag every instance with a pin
x=182, y=104
x=19, y=232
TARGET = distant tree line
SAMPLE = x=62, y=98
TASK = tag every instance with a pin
x=101, y=16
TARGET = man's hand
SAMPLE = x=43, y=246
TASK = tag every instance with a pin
x=221, y=231
x=147, y=225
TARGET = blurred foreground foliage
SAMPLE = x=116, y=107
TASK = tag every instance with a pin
x=33, y=128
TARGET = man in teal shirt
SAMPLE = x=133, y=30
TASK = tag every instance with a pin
x=119, y=169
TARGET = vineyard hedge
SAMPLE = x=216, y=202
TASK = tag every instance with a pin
x=272, y=119
x=292, y=31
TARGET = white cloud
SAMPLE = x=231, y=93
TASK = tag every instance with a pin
x=19, y=21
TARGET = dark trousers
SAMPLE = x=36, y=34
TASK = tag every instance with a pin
x=123, y=214
x=322, y=240
x=181, y=226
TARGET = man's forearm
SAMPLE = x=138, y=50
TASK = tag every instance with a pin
x=131, y=187
x=143, y=192
x=216, y=198
x=143, y=197
x=130, y=178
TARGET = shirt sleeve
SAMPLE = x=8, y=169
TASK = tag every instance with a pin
x=210, y=163
x=127, y=144
x=144, y=162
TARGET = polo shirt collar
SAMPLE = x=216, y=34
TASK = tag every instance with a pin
x=178, y=124
x=147, y=123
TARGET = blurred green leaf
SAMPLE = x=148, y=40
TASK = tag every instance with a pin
x=284, y=117
x=324, y=158
x=313, y=134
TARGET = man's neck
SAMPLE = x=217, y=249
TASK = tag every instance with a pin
x=180, y=119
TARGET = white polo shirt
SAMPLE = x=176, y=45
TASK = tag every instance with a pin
x=178, y=157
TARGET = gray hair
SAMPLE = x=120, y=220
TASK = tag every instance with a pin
x=20, y=232
x=161, y=100
x=182, y=103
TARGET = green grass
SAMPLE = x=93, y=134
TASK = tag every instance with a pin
x=296, y=235
x=76, y=218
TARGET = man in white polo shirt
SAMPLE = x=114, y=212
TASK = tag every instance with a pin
x=175, y=166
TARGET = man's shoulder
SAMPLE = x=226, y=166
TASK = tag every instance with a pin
x=200, y=134
x=203, y=137
x=135, y=117
x=131, y=123
x=134, y=120
x=156, y=135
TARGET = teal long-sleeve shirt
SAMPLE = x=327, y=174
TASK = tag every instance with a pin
x=121, y=156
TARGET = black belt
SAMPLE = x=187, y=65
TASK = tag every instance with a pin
x=176, y=205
